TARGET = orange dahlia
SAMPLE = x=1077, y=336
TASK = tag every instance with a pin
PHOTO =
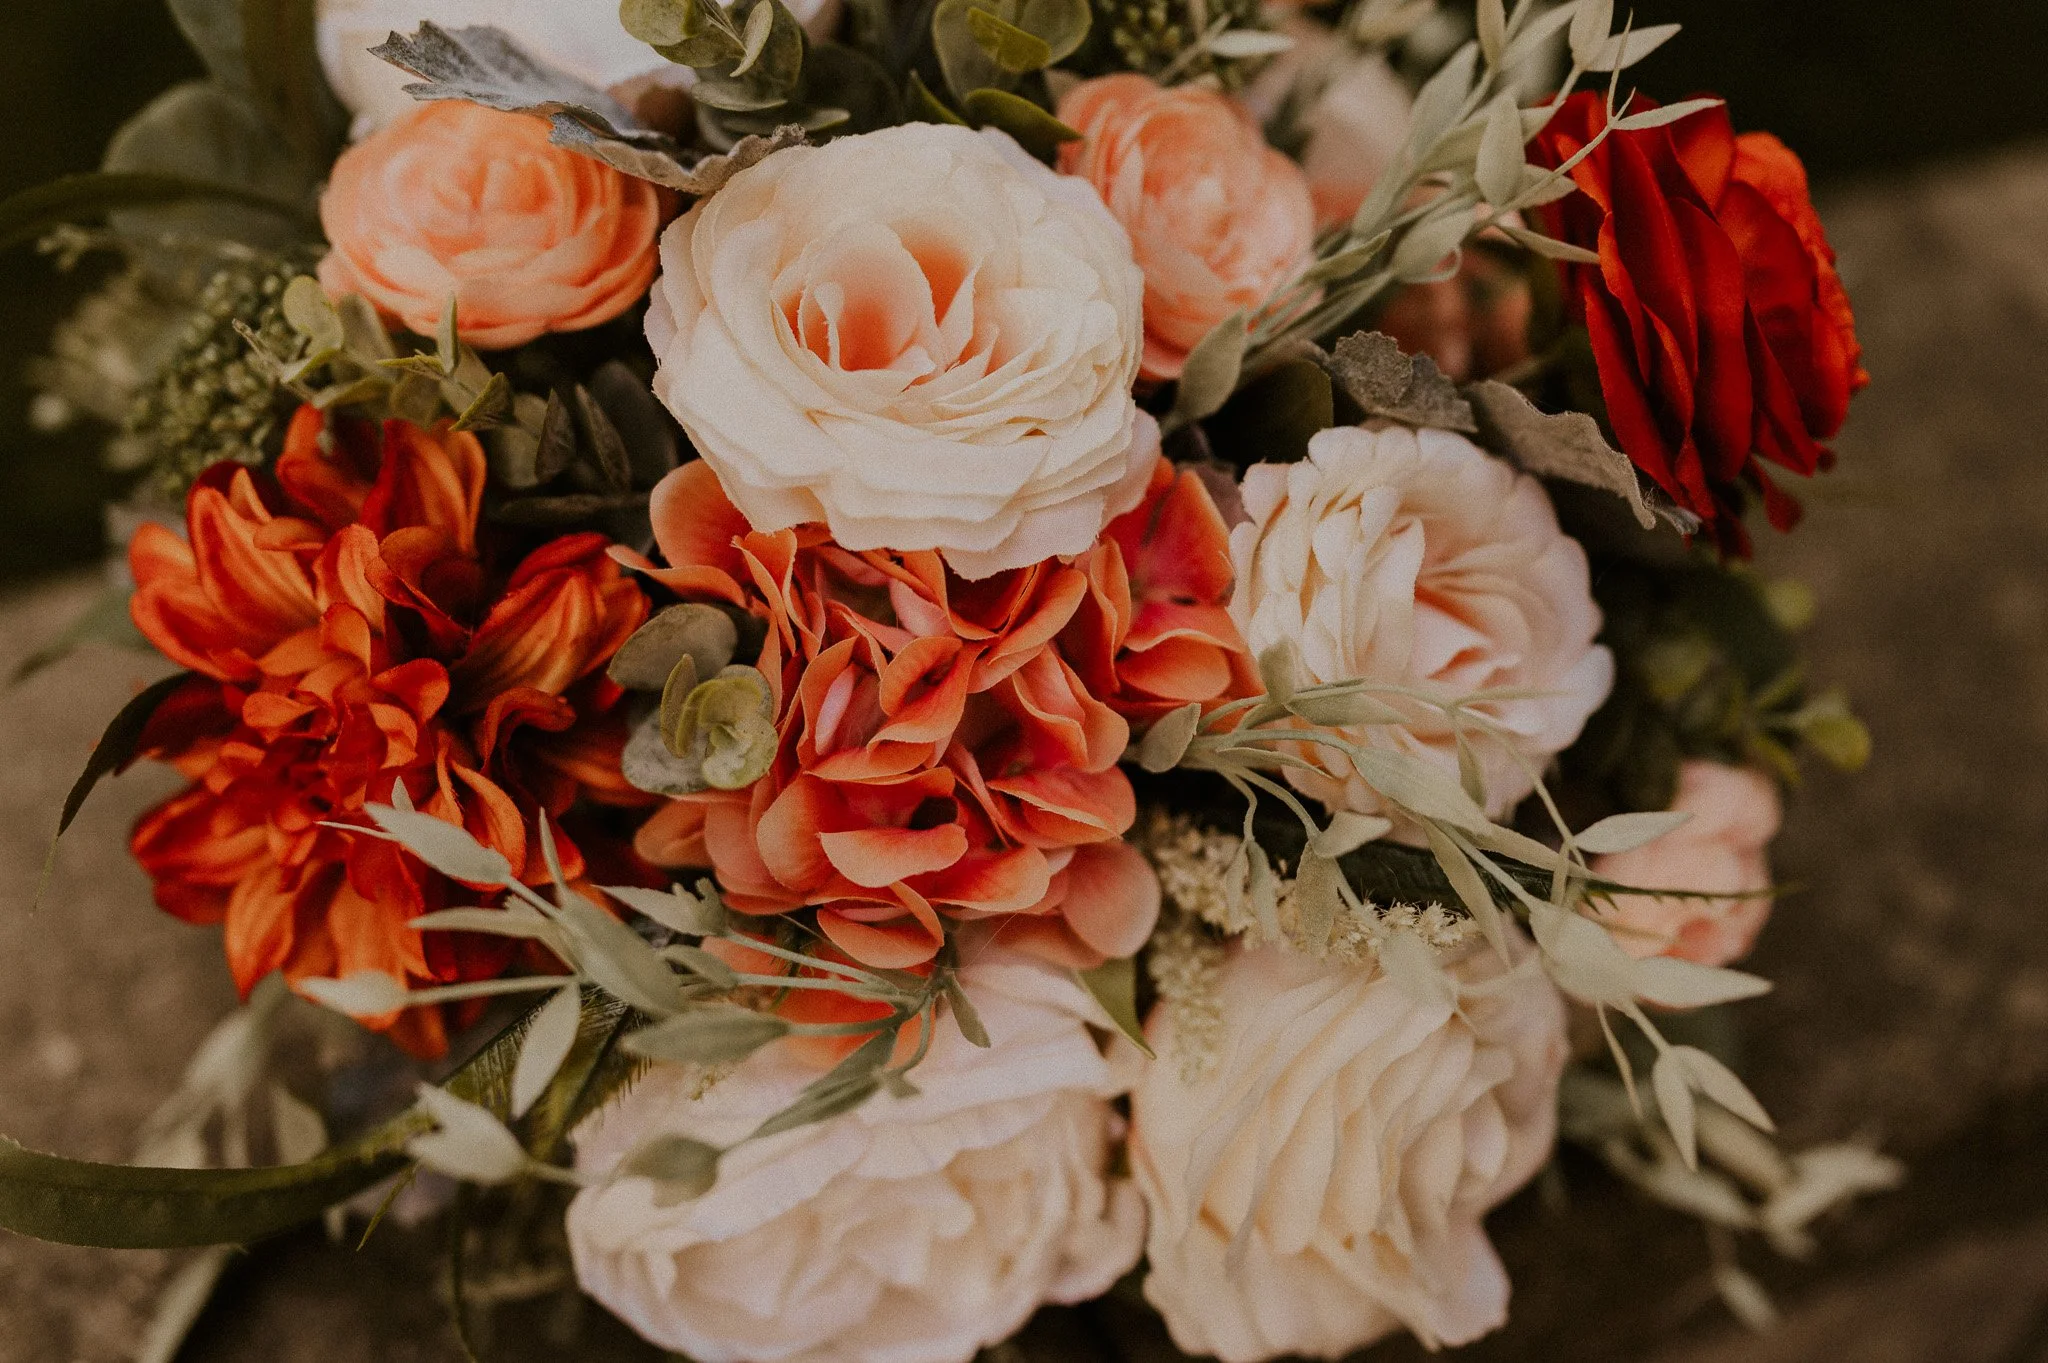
x=938, y=757
x=348, y=630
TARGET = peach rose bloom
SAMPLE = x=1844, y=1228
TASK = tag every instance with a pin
x=1720, y=850
x=921, y=337
x=456, y=200
x=1416, y=559
x=1219, y=220
x=914, y=1229
x=1320, y=1183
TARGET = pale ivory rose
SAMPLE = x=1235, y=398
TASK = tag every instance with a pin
x=1720, y=850
x=583, y=38
x=1415, y=559
x=909, y=1230
x=1218, y=219
x=921, y=337
x=1321, y=1182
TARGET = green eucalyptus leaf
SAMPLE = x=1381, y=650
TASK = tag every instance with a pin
x=704, y=634
x=1014, y=50
x=661, y=23
x=204, y=133
x=1271, y=419
x=685, y=1168
x=769, y=67
x=649, y=765
x=837, y=75
x=214, y=30
x=922, y=106
x=989, y=43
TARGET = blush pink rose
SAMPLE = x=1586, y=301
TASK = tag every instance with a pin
x=1218, y=219
x=1415, y=559
x=1720, y=850
x=454, y=200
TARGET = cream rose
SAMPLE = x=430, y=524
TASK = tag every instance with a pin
x=1720, y=850
x=1320, y=1183
x=921, y=337
x=583, y=38
x=910, y=1230
x=1413, y=558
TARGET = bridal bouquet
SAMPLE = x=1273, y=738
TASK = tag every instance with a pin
x=951, y=658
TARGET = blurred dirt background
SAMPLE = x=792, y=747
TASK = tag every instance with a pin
x=1912, y=971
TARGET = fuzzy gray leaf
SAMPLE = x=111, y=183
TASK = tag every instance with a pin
x=702, y=178
x=1565, y=445
x=1409, y=389
x=485, y=66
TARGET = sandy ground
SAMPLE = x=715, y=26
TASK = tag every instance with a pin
x=1913, y=998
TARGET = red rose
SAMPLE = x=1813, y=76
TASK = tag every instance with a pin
x=1722, y=332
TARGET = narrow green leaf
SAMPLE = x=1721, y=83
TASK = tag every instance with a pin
x=119, y=745
x=1211, y=371
x=446, y=847
x=85, y=197
x=548, y=1042
x=964, y=1015
x=710, y=1035
x=285, y=78
x=123, y=1207
x=119, y=1207
x=1166, y=742
x=1114, y=985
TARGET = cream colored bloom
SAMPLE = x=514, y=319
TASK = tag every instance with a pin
x=1413, y=558
x=910, y=1230
x=1720, y=850
x=921, y=337
x=583, y=38
x=1320, y=1183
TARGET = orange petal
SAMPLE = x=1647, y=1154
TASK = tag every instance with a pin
x=875, y=857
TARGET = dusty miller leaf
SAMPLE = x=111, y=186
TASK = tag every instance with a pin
x=1565, y=445
x=485, y=66
x=702, y=178
x=1410, y=389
